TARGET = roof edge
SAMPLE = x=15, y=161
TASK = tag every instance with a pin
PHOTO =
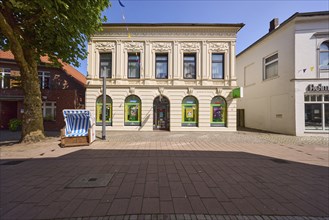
x=240, y=25
x=297, y=14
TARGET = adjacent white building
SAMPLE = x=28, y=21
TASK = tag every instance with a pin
x=176, y=77
x=285, y=76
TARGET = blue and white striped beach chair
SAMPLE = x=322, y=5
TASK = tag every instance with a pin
x=79, y=129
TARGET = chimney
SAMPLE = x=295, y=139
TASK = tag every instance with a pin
x=274, y=24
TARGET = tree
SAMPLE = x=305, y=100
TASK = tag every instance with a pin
x=54, y=28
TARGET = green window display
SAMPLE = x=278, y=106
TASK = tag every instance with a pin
x=218, y=112
x=108, y=111
x=190, y=112
x=132, y=111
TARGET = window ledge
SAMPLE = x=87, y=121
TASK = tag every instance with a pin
x=250, y=85
x=275, y=77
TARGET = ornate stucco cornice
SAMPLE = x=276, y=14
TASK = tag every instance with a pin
x=161, y=46
x=175, y=33
x=105, y=46
x=134, y=45
x=218, y=46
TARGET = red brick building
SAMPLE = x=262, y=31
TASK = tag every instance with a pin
x=61, y=88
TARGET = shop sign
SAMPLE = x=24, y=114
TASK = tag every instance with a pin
x=317, y=88
x=237, y=92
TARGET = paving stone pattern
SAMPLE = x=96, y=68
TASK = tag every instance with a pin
x=166, y=175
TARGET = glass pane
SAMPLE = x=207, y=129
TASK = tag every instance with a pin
x=100, y=99
x=271, y=58
x=189, y=58
x=189, y=70
x=6, y=81
x=319, y=98
x=161, y=70
x=108, y=112
x=48, y=104
x=217, y=71
x=218, y=100
x=46, y=82
x=218, y=114
x=324, y=46
x=306, y=98
x=99, y=112
x=161, y=58
x=313, y=98
x=105, y=64
x=326, y=116
x=132, y=99
x=326, y=97
x=324, y=60
x=133, y=112
x=271, y=70
x=49, y=113
x=133, y=70
x=217, y=57
x=133, y=57
x=313, y=116
x=190, y=113
x=190, y=100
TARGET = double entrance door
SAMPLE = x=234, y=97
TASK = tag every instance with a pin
x=161, y=113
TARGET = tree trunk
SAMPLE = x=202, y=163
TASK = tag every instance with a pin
x=26, y=58
x=32, y=125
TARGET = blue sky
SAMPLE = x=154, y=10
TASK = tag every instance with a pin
x=256, y=15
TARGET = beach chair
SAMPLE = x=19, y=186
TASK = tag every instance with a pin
x=79, y=129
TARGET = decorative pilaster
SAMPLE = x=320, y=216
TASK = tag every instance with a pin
x=232, y=61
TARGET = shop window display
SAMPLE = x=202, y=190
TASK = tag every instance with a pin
x=108, y=111
x=190, y=112
x=132, y=111
x=316, y=112
x=218, y=112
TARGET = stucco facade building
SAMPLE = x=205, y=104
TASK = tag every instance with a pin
x=285, y=76
x=176, y=77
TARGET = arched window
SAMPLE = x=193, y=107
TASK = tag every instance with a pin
x=218, y=112
x=190, y=112
x=133, y=111
x=324, y=56
x=108, y=111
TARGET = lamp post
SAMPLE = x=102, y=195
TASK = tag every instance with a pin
x=104, y=105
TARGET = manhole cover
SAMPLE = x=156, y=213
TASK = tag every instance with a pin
x=279, y=161
x=13, y=162
x=91, y=181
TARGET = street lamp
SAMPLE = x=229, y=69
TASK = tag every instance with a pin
x=104, y=73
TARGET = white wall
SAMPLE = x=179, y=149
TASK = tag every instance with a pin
x=309, y=35
x=268, y=104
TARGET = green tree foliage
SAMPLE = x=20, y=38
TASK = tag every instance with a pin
x=54, y=28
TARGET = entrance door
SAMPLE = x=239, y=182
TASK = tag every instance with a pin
x=161, y=113
x=8, y=110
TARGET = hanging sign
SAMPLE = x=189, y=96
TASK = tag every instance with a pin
x=237, y=92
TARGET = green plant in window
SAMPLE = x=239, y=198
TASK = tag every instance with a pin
x=48, y=118
x=14, y=124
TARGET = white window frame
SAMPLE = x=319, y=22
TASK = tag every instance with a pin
x=269, y=63
x=139, y=55
x=222, y=62
x=322, y=102
x=3, y=73
x=52, y=108
x=110, y=64
x=43, y=76
x=322, y=51
x=161, y=54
